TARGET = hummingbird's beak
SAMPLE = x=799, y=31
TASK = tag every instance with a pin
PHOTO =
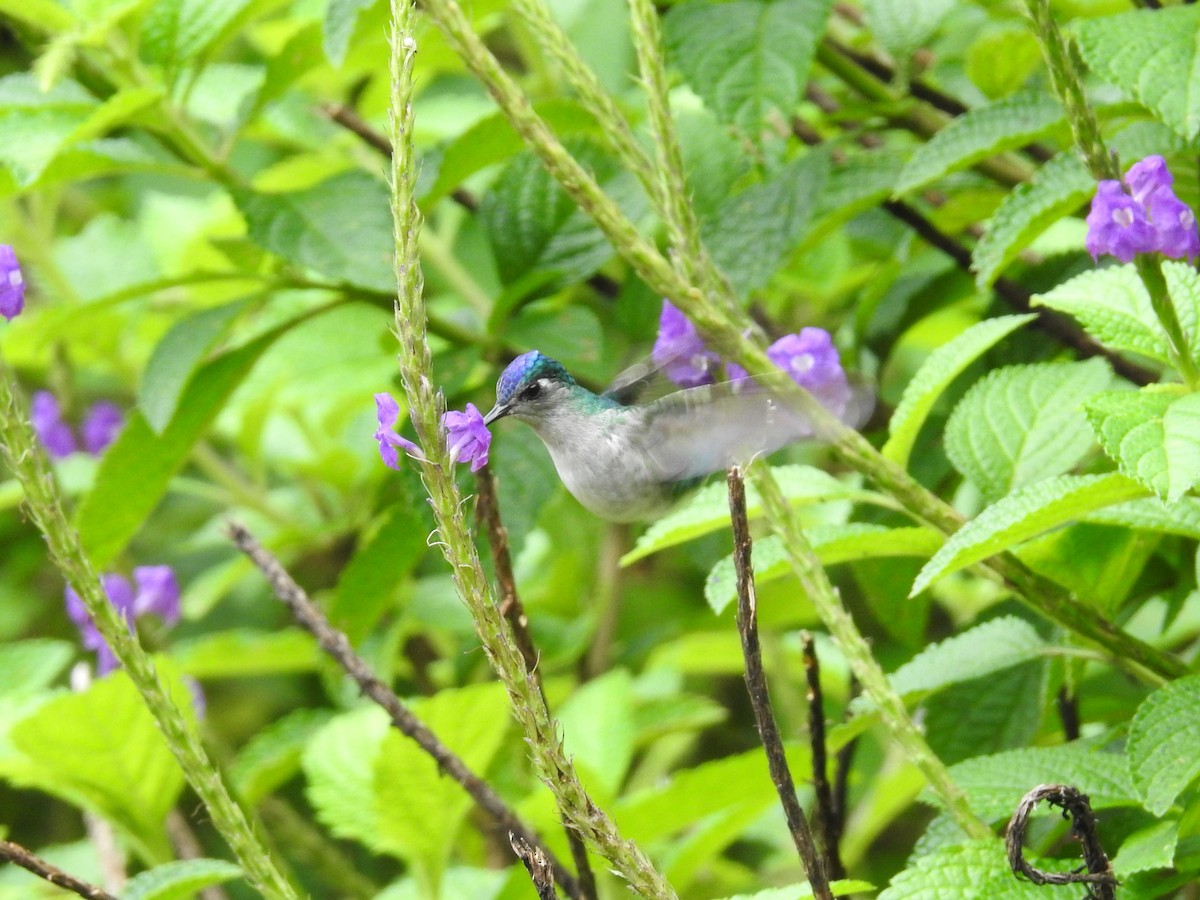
x=498, y=412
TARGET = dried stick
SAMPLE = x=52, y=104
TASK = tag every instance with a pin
x=539, y=870
x=337, y=645
x=487, y=511
x=825, y=815
x=760, y=700
x=17, y=854
x=1099, y=877
x=841, y=776
x=1068, y=712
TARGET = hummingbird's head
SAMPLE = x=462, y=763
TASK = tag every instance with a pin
x=530, y=388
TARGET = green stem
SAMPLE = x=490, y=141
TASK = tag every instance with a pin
x=1149, y=269
x=44, y=501
x=857, y=651
x=549, y=758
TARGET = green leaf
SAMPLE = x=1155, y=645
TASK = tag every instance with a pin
x=940, y=368
x=1003, y=58
x=983, y=650
x=840, y=888
x=370, y=783
x=177, y=32
x=1030, y=511
x=833, y=544
x=175, y=359
x=708, y=510
x=1163, y=737
x=369, y=583
x=272, y=757
x=246, y=653
x=492, y=140
x=29, y=667
x=101, y=749
x=1153, y=57
x=982, y=132
x=857, y=184
x=44, y=14
x=1181, y=518
x=1147, y=849
x=536, y=229
x=340, y=18
x=974, y=871
x=1059, y=188
x=747, y=59
x=753, y=232
x=1113, y=306
x=1024, y=423
x=179, y=879
x=1153, y=435
x=903, y=26
x=988, y=714
x=995, y=784
x=35, y=126
x=340, y=228
x=137, y=468
x=598, y=728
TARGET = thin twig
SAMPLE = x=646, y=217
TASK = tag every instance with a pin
x=539, y=870
x=17, y=854
x=1068, y=712
x=760, y=700
x=841, y=776
x=1099, y=876
x=824, y=816
x=487, y=511
x=337, y=645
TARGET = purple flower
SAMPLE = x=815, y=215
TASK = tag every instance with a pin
x=679, y=350
x=52, y=431
x=387, y=411
x=12, y=284
x=157, y=593
x=1152, y=220
x=812, y=361
x=100, y=426
x=467, y=437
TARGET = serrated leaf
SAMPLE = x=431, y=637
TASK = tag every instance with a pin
x=176, y=32
x=102, y=749
x=175, y=358
x=991, y=647
x=832, y=544
x=179, y=879
x=1113, y=306
x=1153, y=435
x=986, y=715
x=340, y=19
x=982, y=132
x=1149, y=848
x=708, y=509
x=995, y=784
x=1059, y=188
x=272, y=757
x=753, y=231
x=1030, y=511
x=136, y=469
x=1024, y=423
x=941, y=367
x=856, y=184
x=246, y=653
x=1181, y=518
x=902, y=26
x=1153, y=57
x=747, y=59
x=975, y=871
x=1163, y=737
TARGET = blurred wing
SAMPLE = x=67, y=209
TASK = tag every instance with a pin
x=645, y=381
x=706, y=429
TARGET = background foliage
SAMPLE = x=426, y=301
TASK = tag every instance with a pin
x=197, y=192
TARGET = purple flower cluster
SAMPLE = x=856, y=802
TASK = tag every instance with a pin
x=809, y=357
x=12, y=284
x=156, y=592
x=98, y=429
x=1147, y=219
x=467, y=437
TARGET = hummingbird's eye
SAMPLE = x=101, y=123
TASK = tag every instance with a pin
x=532, y=392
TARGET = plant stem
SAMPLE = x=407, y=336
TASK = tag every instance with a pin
x=549, y=758
x=892, y=711
x=1149, y=269
x=29, y=463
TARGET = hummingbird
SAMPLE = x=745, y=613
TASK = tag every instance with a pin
x=631, y=461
